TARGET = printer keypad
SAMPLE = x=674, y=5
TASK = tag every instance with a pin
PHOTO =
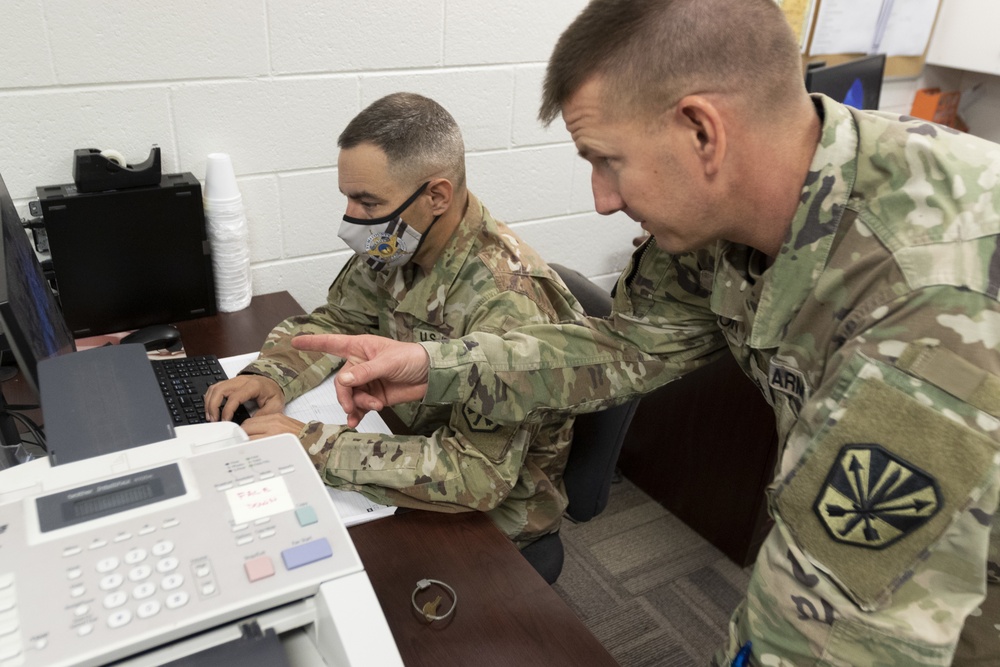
x=144, y=564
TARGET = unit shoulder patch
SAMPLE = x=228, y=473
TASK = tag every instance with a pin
x=872, y=498
x=478, y=422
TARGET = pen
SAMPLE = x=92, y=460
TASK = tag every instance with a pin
x=741, y=658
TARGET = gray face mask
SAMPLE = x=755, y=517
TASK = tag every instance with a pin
x=387, y=241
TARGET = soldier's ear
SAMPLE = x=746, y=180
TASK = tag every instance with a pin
x=705, y=131
x=441, y=192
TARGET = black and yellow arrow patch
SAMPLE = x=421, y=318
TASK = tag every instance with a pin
x=477, y=422
x=872, y=498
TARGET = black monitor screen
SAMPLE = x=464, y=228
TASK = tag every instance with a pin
x=856, y=83
x=31, y=319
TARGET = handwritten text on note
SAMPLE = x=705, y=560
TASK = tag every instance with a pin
x=259, y=500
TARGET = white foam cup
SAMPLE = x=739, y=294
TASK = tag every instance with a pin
x=220, y=180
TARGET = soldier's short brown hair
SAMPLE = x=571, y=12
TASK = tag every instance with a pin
x=651, y=53
x=418, y=136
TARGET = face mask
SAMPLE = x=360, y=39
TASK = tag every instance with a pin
x=387, y=241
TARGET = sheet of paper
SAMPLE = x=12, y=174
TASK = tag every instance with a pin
x=354, y=508
x=908, y=27
x=845, y=26
x=321, y=404
x=318, y=404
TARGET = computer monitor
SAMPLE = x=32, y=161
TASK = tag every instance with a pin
x=29, y=315
x=856, y=83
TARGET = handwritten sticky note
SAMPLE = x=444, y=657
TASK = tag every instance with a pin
x=259, y=500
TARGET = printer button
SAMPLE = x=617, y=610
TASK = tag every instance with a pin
x=119, y=618
x=115, y=600
x=306, y=515
x=176, y=600
x=147, y=609
x=303, y=554
x=259, y=568
x=106, y=565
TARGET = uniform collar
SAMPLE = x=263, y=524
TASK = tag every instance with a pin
x=423, y=296
x=803, y=256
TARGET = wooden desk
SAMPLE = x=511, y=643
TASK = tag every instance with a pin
x=229, y=334
x=506, y=614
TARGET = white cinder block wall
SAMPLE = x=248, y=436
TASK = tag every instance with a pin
x=272, y=83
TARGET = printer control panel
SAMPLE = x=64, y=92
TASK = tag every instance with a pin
x=110, y=566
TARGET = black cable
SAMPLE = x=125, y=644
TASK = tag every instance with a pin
x=21, y=406
x=30, y=424
x=33, y=427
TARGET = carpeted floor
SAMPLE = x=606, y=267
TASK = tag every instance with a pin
x=649, y=588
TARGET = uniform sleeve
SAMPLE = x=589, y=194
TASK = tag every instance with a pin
x=351, y=308
x=445, y=470
x=473, y=463
x=887, y=490
x=661, y=327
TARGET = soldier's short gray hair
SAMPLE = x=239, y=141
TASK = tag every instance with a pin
x=418, y=136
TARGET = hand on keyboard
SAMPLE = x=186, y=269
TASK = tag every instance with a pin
x=241, y=389
x=184, y=381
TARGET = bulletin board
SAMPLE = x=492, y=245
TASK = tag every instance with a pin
x=802, y=15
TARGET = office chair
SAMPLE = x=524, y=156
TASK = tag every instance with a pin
x=597, y=441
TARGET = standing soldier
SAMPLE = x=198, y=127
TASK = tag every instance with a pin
x=848, y=260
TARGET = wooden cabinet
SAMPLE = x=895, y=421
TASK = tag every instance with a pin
x=705, y=448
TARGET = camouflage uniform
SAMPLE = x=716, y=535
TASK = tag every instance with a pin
x=485, y=280
x=875, y=336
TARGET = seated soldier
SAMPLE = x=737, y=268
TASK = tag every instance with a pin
x=431, y=264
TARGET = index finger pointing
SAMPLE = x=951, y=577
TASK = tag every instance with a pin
x=336, y=344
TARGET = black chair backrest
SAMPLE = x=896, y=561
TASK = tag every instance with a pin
x=597, y=436
x=595, y=301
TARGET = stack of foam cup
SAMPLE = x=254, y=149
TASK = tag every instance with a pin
x=228, y=233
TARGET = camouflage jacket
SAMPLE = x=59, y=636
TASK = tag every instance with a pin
x=485, y=280
x=875, y=336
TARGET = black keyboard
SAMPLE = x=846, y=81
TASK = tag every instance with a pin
x=184, y=381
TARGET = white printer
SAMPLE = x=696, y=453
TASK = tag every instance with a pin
x=183, y=552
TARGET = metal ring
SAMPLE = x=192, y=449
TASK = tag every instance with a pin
x=423, y=585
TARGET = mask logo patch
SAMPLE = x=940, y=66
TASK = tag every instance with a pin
x=872, y=498
x=479, y=423
x=383, y=245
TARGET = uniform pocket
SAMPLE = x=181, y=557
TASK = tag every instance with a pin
x=371, y=452
x=851, y=644
x=895, y=463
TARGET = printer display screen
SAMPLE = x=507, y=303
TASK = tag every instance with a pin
x=110, y=496
x=111, y=501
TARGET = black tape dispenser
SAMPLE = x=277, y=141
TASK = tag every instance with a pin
x=97, y=171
